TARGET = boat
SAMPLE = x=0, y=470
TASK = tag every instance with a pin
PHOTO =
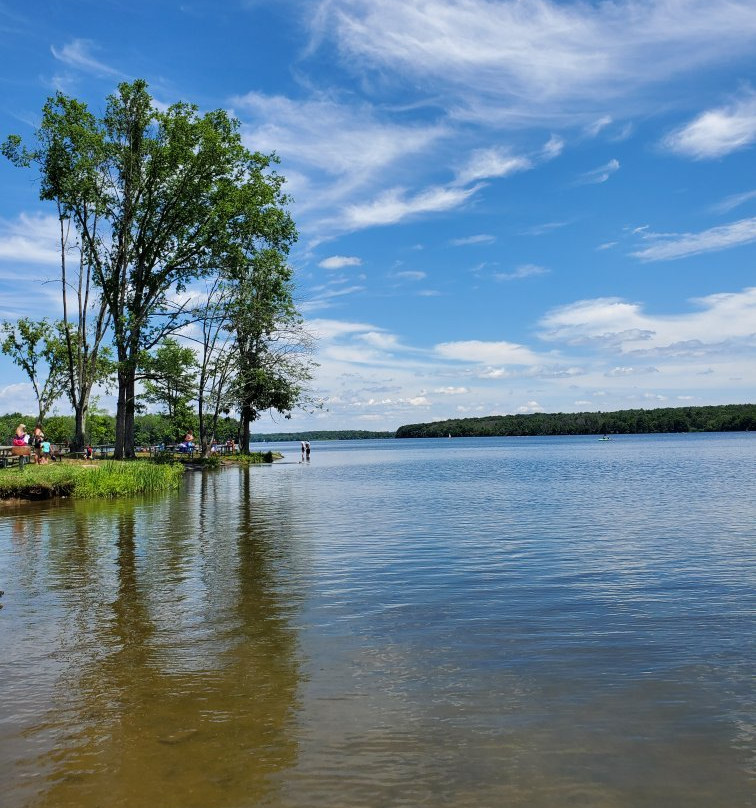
x=605, y=437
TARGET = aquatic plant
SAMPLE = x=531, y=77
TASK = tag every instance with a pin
x=109, y=478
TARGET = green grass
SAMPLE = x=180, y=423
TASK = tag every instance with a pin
x=109, y=478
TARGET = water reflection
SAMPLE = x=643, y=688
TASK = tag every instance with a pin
x=176, y=665
x=495, y=623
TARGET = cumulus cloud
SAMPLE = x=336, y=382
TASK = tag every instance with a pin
x=452, y=391
x=717, y=132
x=725, y=318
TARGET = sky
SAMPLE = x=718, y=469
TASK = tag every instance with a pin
x=503, y=206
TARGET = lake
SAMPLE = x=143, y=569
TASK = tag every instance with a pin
x=467, y=622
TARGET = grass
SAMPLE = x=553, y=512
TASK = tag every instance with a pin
x=109, y=478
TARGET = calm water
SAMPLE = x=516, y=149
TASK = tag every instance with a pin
x=490, y=622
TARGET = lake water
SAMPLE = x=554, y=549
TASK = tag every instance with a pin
x=467, y=622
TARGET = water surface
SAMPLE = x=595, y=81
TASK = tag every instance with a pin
x=482, y=622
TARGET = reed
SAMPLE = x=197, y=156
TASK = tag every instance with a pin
x=110, y=478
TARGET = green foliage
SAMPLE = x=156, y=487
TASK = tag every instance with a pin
x=106, y=479
x=722, y=418
x=334, y=434
x=37, y=348
x=157, y=198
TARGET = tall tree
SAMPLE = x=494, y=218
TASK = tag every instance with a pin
x=273, y=363
x=36, y=346
x=159, y=199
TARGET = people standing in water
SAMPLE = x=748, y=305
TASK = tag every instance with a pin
x=307, y=449
x=303, y=450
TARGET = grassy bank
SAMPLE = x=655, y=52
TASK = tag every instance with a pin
x=109, y=478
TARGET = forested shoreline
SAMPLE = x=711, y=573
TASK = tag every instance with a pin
x=719, y=418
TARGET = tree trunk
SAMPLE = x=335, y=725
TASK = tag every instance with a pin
x=118, y=449
x=80, y=433
x=246, y=417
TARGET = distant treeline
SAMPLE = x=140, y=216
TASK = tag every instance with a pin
x=721, y=418
x=340, y=434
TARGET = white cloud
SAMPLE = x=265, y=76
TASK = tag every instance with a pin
x=530, y=407
x=482, y=238
x=553, y=148
x=600, y=174
x=30, y=239
x=733, y=201
x=721, y=324
x=77, y=53
x=326, y=140
x=596, y=126
x=491, y=163
x=409, y=275
x=515, y=61
x=524, y=271
x=340, y=261
x=717, y=132
x=452, y=391
x=396, y=204
x=499, y=353
x=671, y=246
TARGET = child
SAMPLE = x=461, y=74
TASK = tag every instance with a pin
x=45, y=451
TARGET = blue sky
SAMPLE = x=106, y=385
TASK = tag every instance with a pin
x=503, y=206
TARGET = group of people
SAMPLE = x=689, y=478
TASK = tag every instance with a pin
x=305, y=450
x=39, y=447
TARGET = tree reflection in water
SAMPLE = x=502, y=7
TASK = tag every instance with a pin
x=179, y=671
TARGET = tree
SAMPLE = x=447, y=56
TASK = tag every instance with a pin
x=158, y=199
x=170, y=379
x=37, y=348
x=216, y=360
x=272, y=349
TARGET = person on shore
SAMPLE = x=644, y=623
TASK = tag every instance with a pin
x=21, y=437
x=38, y=438
x=45, y=451
x=89, y=453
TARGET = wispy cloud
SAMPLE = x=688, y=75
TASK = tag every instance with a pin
x=396, y=204
x=524, y=271
x=491, y=163
x=513, y=61
x=490, y=353
x=340, y=261
x=717, y=132
x=30, y=239
x=481, y=238
x=600, y=174
x=667, y=247
x=734, y=201
x=78, y=54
